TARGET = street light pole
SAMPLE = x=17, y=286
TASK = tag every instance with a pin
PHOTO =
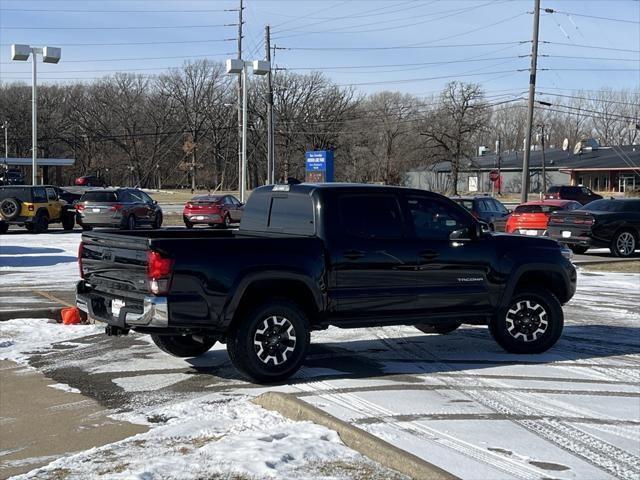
x=34, y=119
x=544, y=173
x=49, y=55
x=240, y=67
x=5, y=126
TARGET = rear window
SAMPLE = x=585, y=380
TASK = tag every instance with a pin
x=292, y=214
x=100, y=197
x=537, y=208
x=468, y=204
x=22, y=194
x=604, y=206
x=371, y=216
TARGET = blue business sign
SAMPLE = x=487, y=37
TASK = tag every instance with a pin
x=319, y=166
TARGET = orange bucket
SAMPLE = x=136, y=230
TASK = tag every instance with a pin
x=71, y=316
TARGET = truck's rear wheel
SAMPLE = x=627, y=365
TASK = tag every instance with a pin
x=442, y=329
x=183, y=345
x=270, y=342
x=532, y=322
x=68, y=221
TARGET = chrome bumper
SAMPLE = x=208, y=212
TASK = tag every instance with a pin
x=155, y=313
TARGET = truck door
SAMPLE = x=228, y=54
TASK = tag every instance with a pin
x=375, y=272
x=53, y=205
x=452, y=276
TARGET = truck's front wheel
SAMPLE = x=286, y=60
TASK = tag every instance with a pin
x=183, y=345
x=531, y=323
x=270, y=342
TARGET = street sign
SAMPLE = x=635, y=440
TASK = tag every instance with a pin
x=494, y=175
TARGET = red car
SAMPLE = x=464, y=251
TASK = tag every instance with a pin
x=213, y=210
x=531, y=218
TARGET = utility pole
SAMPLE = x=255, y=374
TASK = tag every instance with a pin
x=499, y=153
x=240, y=171
x=532, y=93
x=544, y=172
x=5, y=127
x=271, y=167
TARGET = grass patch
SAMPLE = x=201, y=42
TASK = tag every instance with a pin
x=616, y=267
x=182, y=195
x=354, y=469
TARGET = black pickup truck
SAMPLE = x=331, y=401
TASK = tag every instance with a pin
x=310, y=256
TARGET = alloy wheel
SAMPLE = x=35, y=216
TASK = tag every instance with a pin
x=625, y=243
x=274, y=340
x=527, y=321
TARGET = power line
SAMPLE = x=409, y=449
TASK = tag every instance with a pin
x=573, y=57
x=589, y=99
x=423, y=79
x=128, y=27
x=2, y=9
x=137, y=43
x=573, y=14
x=400, y=47
x=100, y=60
x=590, y=46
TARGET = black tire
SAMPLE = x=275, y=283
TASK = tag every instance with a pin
x=183, y=345
x=29, y=227
x=41, y=223
x=227, y=221
x=131, y=222
x=274, y=358
x=68, y=221
x=86, y=228
x=532, y=322
x=189, y=225
x=624, y=244
x=578, y=249
x=157, y=223
x=442, y=329
x=10, y=208
x=4, y=228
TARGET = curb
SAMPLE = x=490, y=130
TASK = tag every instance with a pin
x=52, y=312
x=355, y=438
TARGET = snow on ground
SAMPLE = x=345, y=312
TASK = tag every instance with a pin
x=45, y=261
x=457, y=401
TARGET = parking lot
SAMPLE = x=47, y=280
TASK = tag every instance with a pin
x=572, y=412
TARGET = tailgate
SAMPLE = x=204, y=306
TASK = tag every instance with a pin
x=116, y=264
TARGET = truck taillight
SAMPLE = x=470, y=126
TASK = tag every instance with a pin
x=159, y=270
x=31, y=208
x=80, y=252
x=79, y=207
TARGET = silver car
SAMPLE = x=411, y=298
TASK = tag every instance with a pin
x=125, y=208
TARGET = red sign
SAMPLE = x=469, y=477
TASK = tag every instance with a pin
x=494, y=175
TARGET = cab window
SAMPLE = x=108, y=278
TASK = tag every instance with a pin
x=433, y=219
x=371, y=216
x=39, y=195
x=51, y=195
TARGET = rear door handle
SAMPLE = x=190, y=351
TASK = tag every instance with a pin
x=428, y=254
x=353, y=254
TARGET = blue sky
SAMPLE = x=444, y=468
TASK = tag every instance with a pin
x=413, y=46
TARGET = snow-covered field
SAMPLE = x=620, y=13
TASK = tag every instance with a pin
x=457, y=401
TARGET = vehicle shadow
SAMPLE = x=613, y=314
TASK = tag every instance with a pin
x=16, y=250
x=470, y=348
x=40, y=261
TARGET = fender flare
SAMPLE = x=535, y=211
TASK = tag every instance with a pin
x=238, y=291
x=519, y=272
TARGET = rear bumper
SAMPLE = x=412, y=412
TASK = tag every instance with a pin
x=576, y=236
x=202, y=218
x=154, y=312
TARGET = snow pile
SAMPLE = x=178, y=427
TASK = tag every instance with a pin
x=21, y=338
x=45, y=260
x=206, y=438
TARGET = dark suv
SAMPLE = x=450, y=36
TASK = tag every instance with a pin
x=487, y=209
x=11, y=177
x=580, y=194
x=125, y=208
